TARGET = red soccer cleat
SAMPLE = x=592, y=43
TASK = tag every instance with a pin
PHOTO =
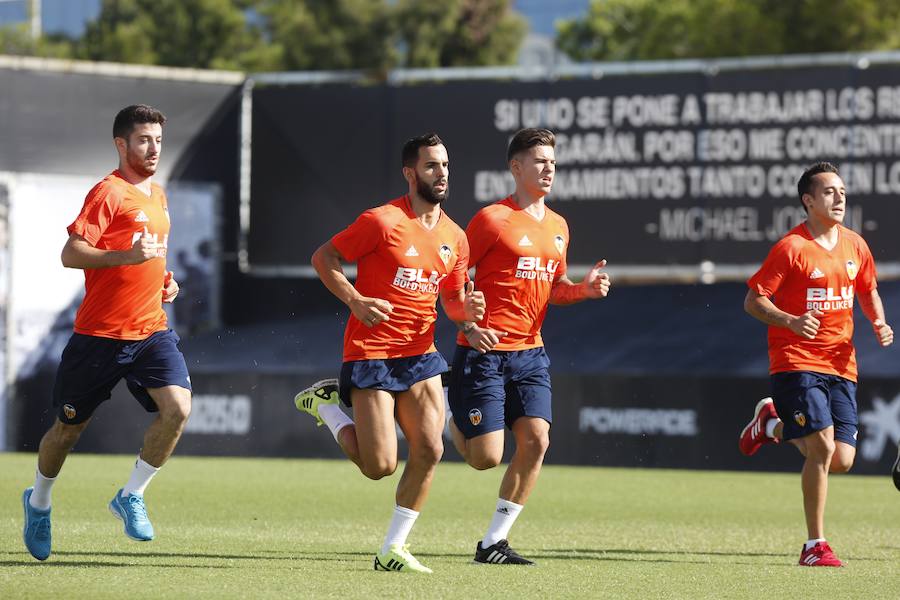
x=754, y=434
x=819, y=555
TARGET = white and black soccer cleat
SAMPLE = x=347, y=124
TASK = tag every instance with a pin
x=499, y=554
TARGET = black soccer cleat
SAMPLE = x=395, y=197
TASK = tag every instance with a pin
x=896, y=471
x=499, y=554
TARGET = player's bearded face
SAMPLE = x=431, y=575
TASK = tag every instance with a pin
x=435, y=191
x=142, y=148
x=432, y=174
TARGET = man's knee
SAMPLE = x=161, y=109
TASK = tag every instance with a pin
x=483, y=462
x=428, y=452
x=842, y=460
x=533, y=445
x=65, y=434
x=378, y=467
x=176, y=408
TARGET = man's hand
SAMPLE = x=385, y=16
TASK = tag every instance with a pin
x=883, y=332
x=807, y=324
x=371, y=311
x=596, y=283
x=143, y=249
x=482, y=339
x=473, y=303
x=170, y=288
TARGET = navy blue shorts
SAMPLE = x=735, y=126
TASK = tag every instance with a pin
x=92, y=366
x=808, y=402
x=488, y=391
x=390, y=374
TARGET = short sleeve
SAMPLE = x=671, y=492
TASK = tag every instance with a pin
x=100, y=206
x=771, y=274
x=866, y=279
x=481, y=235
x=459, y=274
x=561, y=270
x=360, y=238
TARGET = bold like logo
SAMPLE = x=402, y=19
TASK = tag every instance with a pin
x=475, y=417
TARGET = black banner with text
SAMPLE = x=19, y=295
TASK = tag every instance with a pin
x=652, y=169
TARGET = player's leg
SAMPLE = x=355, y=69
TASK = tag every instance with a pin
x=85, y=377
x=844, y=414
x=420, y=415
x=371, y=442
x=476, y=395
x=814, y=479
x=528, y=414
x=895, y=472
x=159, y=380
x=803, y=404
x=419, y=412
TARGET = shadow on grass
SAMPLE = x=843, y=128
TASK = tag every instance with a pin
x=609, y=554
x=54, y=563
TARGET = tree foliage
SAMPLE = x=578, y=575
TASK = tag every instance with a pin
x=329, y=34
x=647, y=29
x=284, y=35
x=457, y=33
x=200, y=34
x=16, y=40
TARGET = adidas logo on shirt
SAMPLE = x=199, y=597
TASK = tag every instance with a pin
x=525, y=241
x=412, y=251
x=141, y=218
x=816, y=274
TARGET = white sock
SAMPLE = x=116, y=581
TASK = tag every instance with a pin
x=141, y=475
x=401, y=524
x=501, y=522
x=40, y=497
x=770, y=427
x=334, y=418
x=811, y=543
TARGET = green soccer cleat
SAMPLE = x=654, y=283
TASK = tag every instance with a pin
x=398, y=558
x=321, y=392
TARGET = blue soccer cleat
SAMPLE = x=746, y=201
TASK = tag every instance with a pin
x=133, y=513
x=37, y=528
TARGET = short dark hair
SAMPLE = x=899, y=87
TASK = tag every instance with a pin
x=529, y=138
x=804, y=186
x=130, y=116
x=410, y=154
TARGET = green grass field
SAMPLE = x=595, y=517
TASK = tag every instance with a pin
x=251, y=528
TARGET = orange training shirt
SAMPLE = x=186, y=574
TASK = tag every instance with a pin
x=400, y=261
x=125, y=302
x=800, y=275
x=517, y=260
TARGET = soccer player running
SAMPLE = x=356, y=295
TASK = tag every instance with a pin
x=804, y=292
x=408, y=252
x=500, y=374
x=119, y=239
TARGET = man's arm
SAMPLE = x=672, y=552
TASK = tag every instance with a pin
x=763, y=309
x=870, y=303
x=595, y=285
x=463, y=305
x=78, y=253
x=370, y=311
